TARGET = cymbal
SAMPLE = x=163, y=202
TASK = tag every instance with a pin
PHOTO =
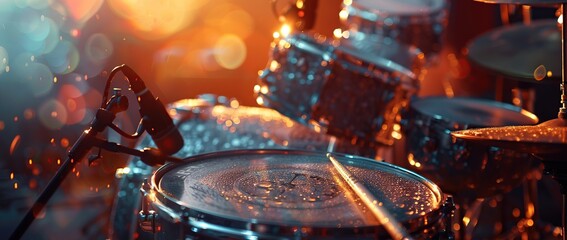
x=546, y=138
x=525, y=2
x=521, y=52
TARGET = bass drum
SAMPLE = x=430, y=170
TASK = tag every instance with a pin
x=209, y=124
x=285, y=194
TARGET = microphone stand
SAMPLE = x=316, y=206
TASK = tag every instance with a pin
x=82, y=146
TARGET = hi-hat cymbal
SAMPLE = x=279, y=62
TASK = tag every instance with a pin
x=546, y=138
x=521, y=52
x=524, y=2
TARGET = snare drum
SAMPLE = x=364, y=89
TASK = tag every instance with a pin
x=463, y=169
x=338, y=90
x=283, y=194
x=209, y=124
x=418, y=23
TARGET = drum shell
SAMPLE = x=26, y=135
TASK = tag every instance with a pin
x=209, y=125
x=176, y=220
x=461, y=168
x=424, y=29
x=298, y=67
x=354, y=95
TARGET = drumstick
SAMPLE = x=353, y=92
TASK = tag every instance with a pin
x=393, y=227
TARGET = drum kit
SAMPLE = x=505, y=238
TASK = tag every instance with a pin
x=253, y=172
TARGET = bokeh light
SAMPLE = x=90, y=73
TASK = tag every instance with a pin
x=78, y=82
x=37, y=76
x=52, y=114
x=82, y=11
x=3, y=59
x=98, y=48
x=64, y=58
x=74, y=103
x=156, y=19
x=35, y=4
x=230, y=51
x=228, y=18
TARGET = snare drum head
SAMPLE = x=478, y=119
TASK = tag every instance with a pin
x=474, y=112
x=206, y=128
x=291, y=188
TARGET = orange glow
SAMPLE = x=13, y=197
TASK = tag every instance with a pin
x=516, y=212
x=75, y=33
x=28, y=114
x=189, y=55
x=338, y=33
x=229, y=18
x=74, y=103
x=456, y=227
x=82, y=10
x=299, y=4
x=530, y=222
x=52, y=114
x=397, y=135
x=540, y=73
x=285, y=30
x=156, y=19
x=2, y=125
x=230, y=51
x=15, y=185
x=11, y=176
x=343, y=14
x=33, y=183
x=234, y=104
x=259, y=100
x=14, y=144
x=466, y=220
x=64, y=142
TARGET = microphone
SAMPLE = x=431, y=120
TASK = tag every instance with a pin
x=155, y=118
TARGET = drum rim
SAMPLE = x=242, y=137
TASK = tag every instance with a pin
x=328, y=51
x=485, y=102
x=312, y=43
x=380, y=62
x=212, y=220
x=406, y=15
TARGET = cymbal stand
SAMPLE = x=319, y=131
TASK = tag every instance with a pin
x=560, y=172
x=555, y=165
x=103, y=119
x=563, y=109
x=523, y=95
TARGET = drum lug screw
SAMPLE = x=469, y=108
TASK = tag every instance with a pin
x=448, y=210
x=147, y=221
x=147, y=217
